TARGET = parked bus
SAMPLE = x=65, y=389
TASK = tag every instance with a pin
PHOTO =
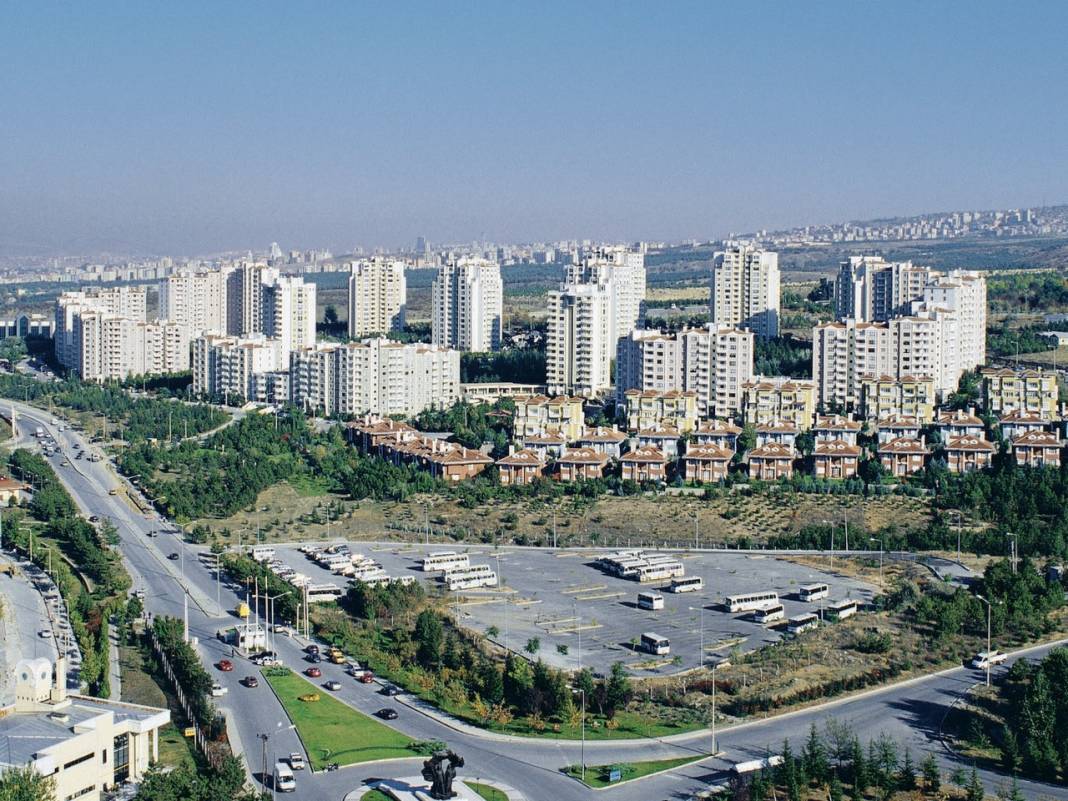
x=750, y=601
x=840, y=610
x=769, y=613
x=687, y=584
x=813, y=592
x=261, y=553
x=753, y=765
x=445, y=560
x=801, y=623
x=660, y=571
x=471, y=578
x=655, y=644
x=318, y=593
x=650, y=600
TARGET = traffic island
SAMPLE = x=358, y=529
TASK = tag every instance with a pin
x=601, y=776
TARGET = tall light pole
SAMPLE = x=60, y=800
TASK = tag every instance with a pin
x=989, y=610
x=958, y=535
x=1012, y=542
x=722, y=664
x=876, y=539
x=582, y=751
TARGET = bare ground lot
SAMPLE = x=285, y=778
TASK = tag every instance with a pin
x=288, y=513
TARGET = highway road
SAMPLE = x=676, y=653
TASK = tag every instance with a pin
x=911, y=712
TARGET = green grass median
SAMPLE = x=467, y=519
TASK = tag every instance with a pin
x=332, y=731
x=599, y=775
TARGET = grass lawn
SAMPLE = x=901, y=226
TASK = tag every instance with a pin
x=332, y=731
x=139, y=687
x=597, y=775
x=487, y=792
x=375, y=795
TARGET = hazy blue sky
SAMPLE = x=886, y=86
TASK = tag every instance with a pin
x=189, y=127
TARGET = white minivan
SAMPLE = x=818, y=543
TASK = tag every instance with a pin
x=283, y=778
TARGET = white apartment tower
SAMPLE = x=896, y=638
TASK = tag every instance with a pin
x=870, y=289
x=713, y=362
x=196, y=300
x=468, y=305
x=245, y=297
x=289, y=312
x=744, y=289
x=229, y=366
x=378, y=294
x=601, y=300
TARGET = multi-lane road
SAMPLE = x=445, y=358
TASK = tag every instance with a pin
x=911, y=712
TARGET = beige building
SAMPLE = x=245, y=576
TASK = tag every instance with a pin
x=713, y=362
x=744, y=290
x=1031, y=391
x=520, y=467
x=227, y=366
x=644, y=463
x=835, y=458
x=1037, y=449
x=468, y=305
x=765, y=399
x=88, y=746
x=113, y=347
x=378, y=297
x=650, y=408
x=871, y=289
x=706, y=463
x=195, y=298
x=903, y=456
x=771, y=462
x=537, y=414
x=967, y=452
x=884, y=396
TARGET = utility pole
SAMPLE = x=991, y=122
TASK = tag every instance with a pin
x=989, y=610
x=1012, y=552
x=958, y=536
x=875, y=539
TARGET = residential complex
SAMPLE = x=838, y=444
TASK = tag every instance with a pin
x=599, y=302
x=196, y=299
x=468, y=305
x=790, y=400
x=229, y=366
x=745, y=289
x=871, y=289
x=1033, y=391
x=378, y=296
x=712, y=362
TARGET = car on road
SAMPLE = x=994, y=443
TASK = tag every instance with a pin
x=333, y=686
x=313, y=673
x=314, y=658
x=225, y=665
x=250, y=681
x=312, y=649
x=174, y=556
x=387, y=713
x=987, y=659
x=217, y=690
x=366, y=677
x=44, y=634
x=391, y=690
x=113, y=491
x=296, y=761
x=94, y=518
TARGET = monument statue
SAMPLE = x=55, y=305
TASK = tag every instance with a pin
x=440, y=770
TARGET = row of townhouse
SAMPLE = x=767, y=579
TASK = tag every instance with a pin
x=399, y=443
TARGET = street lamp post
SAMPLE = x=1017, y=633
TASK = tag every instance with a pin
x=582, y=751
x=1012, y=543
x=958, y=536
x=989, y=610
x=722, y=664
x=876, y=539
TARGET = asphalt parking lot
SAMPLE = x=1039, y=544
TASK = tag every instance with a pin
x=579, y=615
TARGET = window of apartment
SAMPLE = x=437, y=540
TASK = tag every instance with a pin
x=79, y=760
x=121, y=747
x=80, y=793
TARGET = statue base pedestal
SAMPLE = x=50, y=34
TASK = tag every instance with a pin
x=415, y=788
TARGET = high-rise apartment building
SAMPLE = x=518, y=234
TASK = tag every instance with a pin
x=468, y=305
x=744, y=289
x=245, y=297
x=196, y=300
x=378, y=294
x=376, y=376
x=228, y=366
x=601, y=300
x=871, y=289
x=124, y=301
x=713, y=362
x=289, y=312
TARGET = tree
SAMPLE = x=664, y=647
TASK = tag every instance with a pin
x=26, y=784
x=974, y=791
x=906, y=775
x=932, y=778
x=330, y=315
x=533, y=645
x=1012, y=792
x=617, y=689
x=814, y=755
x=861, y=771
x=428, y=637
x=834, y=791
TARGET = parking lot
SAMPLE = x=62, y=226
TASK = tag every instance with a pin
x=579, y=615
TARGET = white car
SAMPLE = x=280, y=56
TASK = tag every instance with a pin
x=987, y=659
x=217, y=690
x=45, y=634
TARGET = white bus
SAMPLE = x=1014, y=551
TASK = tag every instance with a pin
x=742, y=768
x=688, y=584
x=769, y=613
x=404, y=581
x=813, y=592
x=332, y=561
x=801, y=623
x=661, y=571
x=750, y=601
x=261, y=553
x=445, y=560
x=473, y=582
x=655, y=644
x=375, y=580
x=650, y=600
x=840, y=610
x=319, y=593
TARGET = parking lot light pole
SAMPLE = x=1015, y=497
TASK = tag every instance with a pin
x=989, y=610
x=958, y=536
x=582, y=750
x=715, y=667
x=876, y=539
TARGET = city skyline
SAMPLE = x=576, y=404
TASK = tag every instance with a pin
x=196, y=131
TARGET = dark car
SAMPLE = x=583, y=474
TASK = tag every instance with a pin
x=390, y=689
x=387, y=714
x=250, y=681
x=333, y=686
x=313, y=658
x=312, y=649
x=173, y=556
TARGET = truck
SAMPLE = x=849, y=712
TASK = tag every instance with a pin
x=242, y=609
x=987, y=659
x=283, y=778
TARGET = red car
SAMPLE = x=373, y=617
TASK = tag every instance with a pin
x=225, y=665
x=366, y=677
x=313, y=673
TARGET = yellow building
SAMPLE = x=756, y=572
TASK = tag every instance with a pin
x=87, y=745
x=538, y=414
x=652, y=409
x=779, y=399
x=883, y=397
x=1033, y=391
